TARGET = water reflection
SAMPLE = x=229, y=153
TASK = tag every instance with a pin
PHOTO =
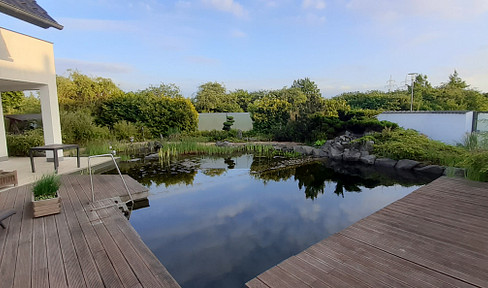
x=220, y=225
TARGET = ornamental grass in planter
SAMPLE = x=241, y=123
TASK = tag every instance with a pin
x=45, y=197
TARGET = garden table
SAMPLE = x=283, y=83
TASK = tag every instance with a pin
x=54, y=148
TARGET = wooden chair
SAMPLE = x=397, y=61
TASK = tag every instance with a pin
x=8, y=178
x=4, y=214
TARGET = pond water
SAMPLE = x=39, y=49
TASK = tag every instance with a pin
x=212, y=222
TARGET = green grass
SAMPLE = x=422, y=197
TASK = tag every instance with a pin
x=46, y=187
x=171, y=150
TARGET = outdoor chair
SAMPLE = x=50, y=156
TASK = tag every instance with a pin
x=8, y=178
x=4, y=214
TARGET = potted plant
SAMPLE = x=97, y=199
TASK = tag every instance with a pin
x=45, y=197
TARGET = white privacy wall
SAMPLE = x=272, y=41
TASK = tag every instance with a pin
x=446, y=126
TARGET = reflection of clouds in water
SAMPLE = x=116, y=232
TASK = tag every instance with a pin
x=218, y=233
x=372, y=200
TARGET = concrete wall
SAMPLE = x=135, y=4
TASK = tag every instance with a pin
x=215, y=121
x=27, y=63
x=448, y=127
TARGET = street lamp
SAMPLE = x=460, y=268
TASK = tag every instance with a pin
x=413, y=76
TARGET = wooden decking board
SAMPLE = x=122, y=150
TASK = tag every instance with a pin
x=405, y=271
x=436, y=236
x=435, y=231
x=7, y=267
x=80, y=247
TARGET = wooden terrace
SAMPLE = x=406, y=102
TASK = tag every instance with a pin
x=437, y=236
x=86, y=245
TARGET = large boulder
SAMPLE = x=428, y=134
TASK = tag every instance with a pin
x=385, y=162
x=406, y=164
x=351, y=155
x=368, y=159
x=430, y=169
x=319, y=153
x=335, y=153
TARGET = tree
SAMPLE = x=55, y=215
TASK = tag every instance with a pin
x=456, y=82
x=228, y=123
x=166, y=90
x=81, y=91
x=11, y=101
x=270, y=114
x=212, y=97
x=314, y=101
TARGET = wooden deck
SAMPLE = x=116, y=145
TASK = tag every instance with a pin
x=86, y=245
x=437, y=236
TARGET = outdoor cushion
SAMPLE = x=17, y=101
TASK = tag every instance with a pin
x=4, y=214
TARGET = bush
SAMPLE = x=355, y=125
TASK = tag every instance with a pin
x=19, y=144
x=123, y=130
x=159, y=114
x=409, y=144
x=476, y=165
x=78, y=127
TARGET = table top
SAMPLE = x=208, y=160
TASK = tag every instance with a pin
x=55, y=147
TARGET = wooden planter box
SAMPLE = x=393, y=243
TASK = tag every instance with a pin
x=46, y=207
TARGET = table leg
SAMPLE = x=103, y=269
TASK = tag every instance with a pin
x=56, y=163
x=78, y=156
x=32, y=161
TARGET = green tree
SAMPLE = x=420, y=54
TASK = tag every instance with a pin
x=166, y=90
x=314, y=101
x=212, y=97
x=270, y=114
x=81, y=91
x=11, y=101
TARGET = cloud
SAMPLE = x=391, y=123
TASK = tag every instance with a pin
x=227, y=6
x=94, y=68
x=313, y=4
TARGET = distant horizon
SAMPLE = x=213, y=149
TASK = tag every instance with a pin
x=341, y=45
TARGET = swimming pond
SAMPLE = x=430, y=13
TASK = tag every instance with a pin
x=212, y=222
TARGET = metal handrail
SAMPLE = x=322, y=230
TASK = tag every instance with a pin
x=118, y=170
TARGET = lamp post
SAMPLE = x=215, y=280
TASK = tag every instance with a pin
x=413, y=76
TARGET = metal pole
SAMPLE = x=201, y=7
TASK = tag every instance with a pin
x=411, y=100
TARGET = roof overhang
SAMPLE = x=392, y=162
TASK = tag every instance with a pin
x=36, y=16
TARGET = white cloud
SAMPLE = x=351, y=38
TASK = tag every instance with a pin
x=313, y=4
x=91, y=68
x=227, y=6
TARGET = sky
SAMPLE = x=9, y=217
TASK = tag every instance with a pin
x=341, y=45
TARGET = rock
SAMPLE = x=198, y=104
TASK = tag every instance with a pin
x=430, y=169
x=152, y=156
x=222, y=144
x=351, y=155
x=367, y=146
x=308, y=150
x=406, y=164
x=364, y=153
x=319, y=153
x=385, y=162
x=368, y=159
x=338, y=146
x=299, y=149
x=335, y=153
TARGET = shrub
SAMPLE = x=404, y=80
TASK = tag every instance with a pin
x=409, y=144
x=124, y=130
x=78, y=127
x=476, y=164
x=19, y=144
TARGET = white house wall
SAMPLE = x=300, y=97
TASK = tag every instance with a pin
x=27, y=63
x=448, y=127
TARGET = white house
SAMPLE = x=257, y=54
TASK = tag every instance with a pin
x=27, y=63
